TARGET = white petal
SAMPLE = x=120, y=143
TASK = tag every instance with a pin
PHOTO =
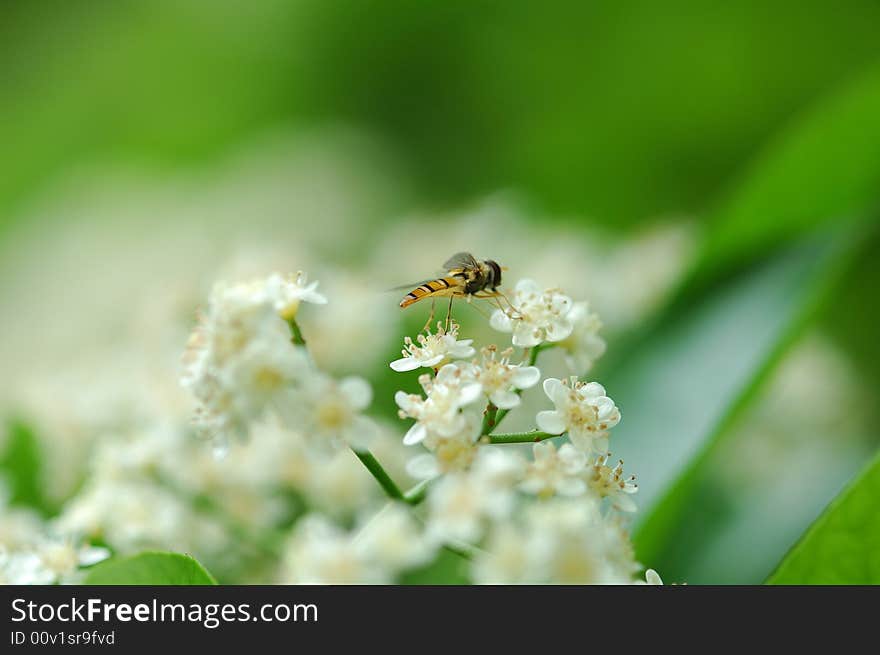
x=550, y=422
x=357, y=391
x=559, y=330
x=505, y=399
x=593, y=390
x=625, y=504
x=652, y=577
x=543, y=450
x=551, y=388
x=571, y=486
x=451, y=427
x=572, y=458
x=415, y=434
x=423, y=467
x=447, y=371
x=527, y=286
x=433, y=361
x=469, y=393
x=501, y=321
x=581, y=441
x=525, y=377
x=561, y=304
x=404, y=401
x=89, y=555
x=404, y=364
x=462, y=349
x=309, y=295
x=578, y=311
x=525, y=335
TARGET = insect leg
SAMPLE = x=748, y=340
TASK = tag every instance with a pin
x=478, y=308
x=491, y=296
x=509, y=304
x=494, y=296
x=449, y=313
x=427, y=327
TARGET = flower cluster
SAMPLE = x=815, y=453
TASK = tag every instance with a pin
x=433, y=350
x=240, y=365
x=583, y=411
x=536, y=316
x=238, y=361
x=36, y=556
x=555, y=515
x=322, y=552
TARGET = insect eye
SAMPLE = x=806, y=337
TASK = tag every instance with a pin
x=496, y=272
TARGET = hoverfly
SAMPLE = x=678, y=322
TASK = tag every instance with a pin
x=466, y=277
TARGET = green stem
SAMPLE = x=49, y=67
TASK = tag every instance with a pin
x=381, y=475
x=412, y=497
x=461, y=551
x=417, y=494
x=489, y=419
x=295, y=333
x=520, y=437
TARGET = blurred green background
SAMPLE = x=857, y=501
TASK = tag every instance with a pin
x=618, y=111
x=756, y=122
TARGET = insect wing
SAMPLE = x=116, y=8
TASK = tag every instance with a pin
x=461, y=260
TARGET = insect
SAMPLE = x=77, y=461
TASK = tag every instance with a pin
x=466, y=277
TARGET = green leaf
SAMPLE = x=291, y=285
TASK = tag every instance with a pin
x=448, y=568
x=843, y=545
x=697, y=374
x=824, y=166
x=150, y=568
x=21, y=468
x=693, y=371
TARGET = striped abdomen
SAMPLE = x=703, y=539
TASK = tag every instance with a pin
x=444, y=286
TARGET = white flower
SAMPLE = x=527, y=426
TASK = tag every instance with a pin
x=239, y=361
x=433, y=350
x=455, y=453
x=653, y=578
x=500, y=379
x=583, y=410
x=609, y=482
x=559, y=541
x=584, y=346
x=537, y=315
x=554, y=471
x=129, y=515
x=395, y=540
x=439, y=413
x=328, y=413
x=23, y=568
x=460, y=504
x=337, y=485
x=50, y=561
x=62, y=557
x=457, y=508
x=288, y=291
x=322, y=553
x=508, y=558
